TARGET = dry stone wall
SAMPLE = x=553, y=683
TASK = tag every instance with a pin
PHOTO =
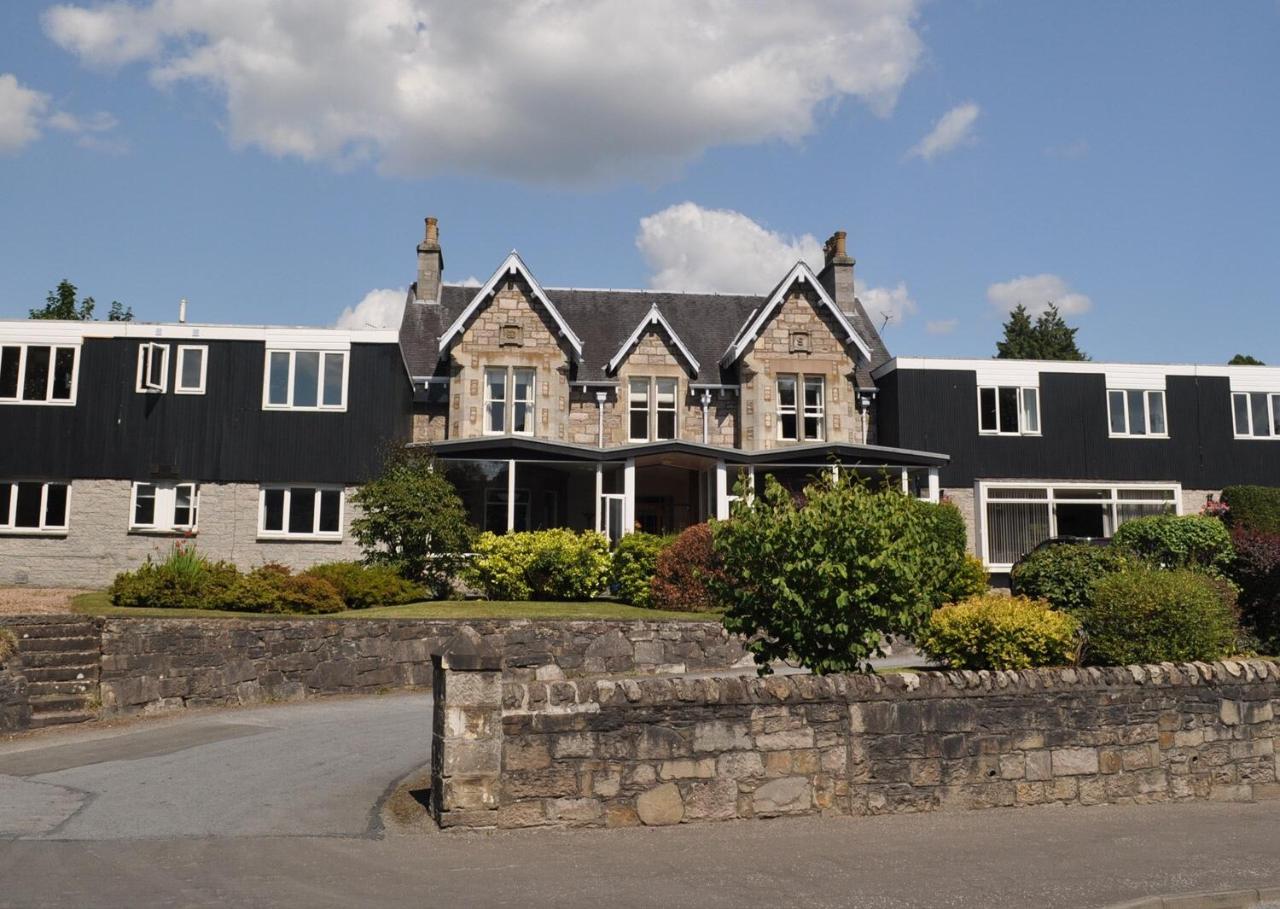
x=15, y=709
x=659, y=751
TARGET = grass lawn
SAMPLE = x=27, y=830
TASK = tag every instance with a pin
x=96, y=603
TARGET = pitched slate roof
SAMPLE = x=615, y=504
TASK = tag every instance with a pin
x=604, y=319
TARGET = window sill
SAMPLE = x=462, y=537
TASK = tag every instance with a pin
x=162, y=532
x=60, y=532
x=40, y=403
x=281, y=408
x=298, y=538
x=987, y=434
x=1156, y=437
x=1257, y=438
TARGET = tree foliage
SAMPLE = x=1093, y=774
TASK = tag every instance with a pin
x=1049, y=337
x=412, y=519
x=1245, y=360
x=825, y=582
x=61, y=303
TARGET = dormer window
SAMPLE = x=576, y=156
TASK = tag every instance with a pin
x=803, y=420
x=509, y=397
x=651, y=408
x=305, y=380
x=1008, y=410
x=1256, y=414
x=1134, y=413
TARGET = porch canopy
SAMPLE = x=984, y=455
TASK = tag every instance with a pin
x=511, y=482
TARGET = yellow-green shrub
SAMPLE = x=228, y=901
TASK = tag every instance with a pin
x=994, y=631
x=541, y=565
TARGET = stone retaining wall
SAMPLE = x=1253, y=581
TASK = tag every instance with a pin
x=662, y=751
x=15, y=710
x=164, y=664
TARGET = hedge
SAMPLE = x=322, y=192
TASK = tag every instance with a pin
x=1253, y=507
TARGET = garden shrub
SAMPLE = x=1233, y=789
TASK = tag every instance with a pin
x=411, y=518
x=274, y=588
x=365, y=586
x=1253, y=507
x=185, y=579
x=826, y=583
x=969, y=580
x=1146, y=615
x=1063, y=574
x=8, y=645
x=686, y=571
x=553, y=564
x=1173, y=541
x=635, y=560
x=994, y=631
x=1257, y=572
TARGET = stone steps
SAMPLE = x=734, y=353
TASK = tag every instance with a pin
x=61, y=659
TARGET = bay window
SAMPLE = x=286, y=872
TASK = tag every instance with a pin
x=164, y=507
x=510, y=394
x=802, y=419
x=300, y=512
x=1009, y=410
x=305, y=380
x=1256, y=414
x=1134, y=412
x=38, y=374
x=33, y=507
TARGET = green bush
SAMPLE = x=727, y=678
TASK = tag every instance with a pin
x=1172, y=541
x=969, y=580
x=1257, y=571
x=553, y=564
x=8, y=645
x=184, y=580
x=274, y=588
x=686, y=572
x=995, y=631
x=364, y=586
x=827, y=582
x=1146, y=615
x=1253, y=507
x=635, y=561
x=1063, y=574
x=411, y=518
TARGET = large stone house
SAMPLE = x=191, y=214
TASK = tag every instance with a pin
x=605, y=409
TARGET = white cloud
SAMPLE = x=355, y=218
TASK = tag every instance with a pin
x=95, y=131
x=527, y=89
x=886, y=305
x=696, y=249
x=21, y=112
x=954, y=129
x=1036, y=292
x=941, y=326
x=378, y=309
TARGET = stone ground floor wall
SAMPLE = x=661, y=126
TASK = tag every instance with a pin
x=612, y=753
x=150, y=665
x=15, y=709
x=98, y=543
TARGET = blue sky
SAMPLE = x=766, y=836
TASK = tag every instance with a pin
x=1121, y=157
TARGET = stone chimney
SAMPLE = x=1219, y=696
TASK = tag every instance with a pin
x=430, y=265
x=837, y=272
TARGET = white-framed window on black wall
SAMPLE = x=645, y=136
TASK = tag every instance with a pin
x=1009, y=410
x=300, y=512
x=164, y=507
x=193, y=364
x=1136, y=413
x=153, y=368
x=801, y=419
x=38, y=373
x=1256, y=414
x=34, y=507
x=305, y=380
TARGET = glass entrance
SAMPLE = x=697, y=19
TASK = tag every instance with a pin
x=611, y=512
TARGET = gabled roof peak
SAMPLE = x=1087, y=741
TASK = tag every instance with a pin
x=653, y=317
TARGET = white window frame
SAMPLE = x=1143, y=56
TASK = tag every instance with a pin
x=658, y=409
x=490, y=400
x=147, y=352
x=1025, y=392
x=801, y=408
x=809, y=412
x=166, y=500
x=320, y=371
x=633, y=407
x=1273, y=410
x=530, y=403
x=7, y=519
x=1051, y=500
x=1147, y=410
x=290, y=534
x=183, y=351
x=48, y=399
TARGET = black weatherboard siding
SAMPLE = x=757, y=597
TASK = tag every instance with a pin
x=224, y=435
x=937, y=410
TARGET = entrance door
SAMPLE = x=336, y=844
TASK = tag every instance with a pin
x=611, y=511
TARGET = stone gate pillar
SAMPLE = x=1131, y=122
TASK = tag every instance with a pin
x=466, y=736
